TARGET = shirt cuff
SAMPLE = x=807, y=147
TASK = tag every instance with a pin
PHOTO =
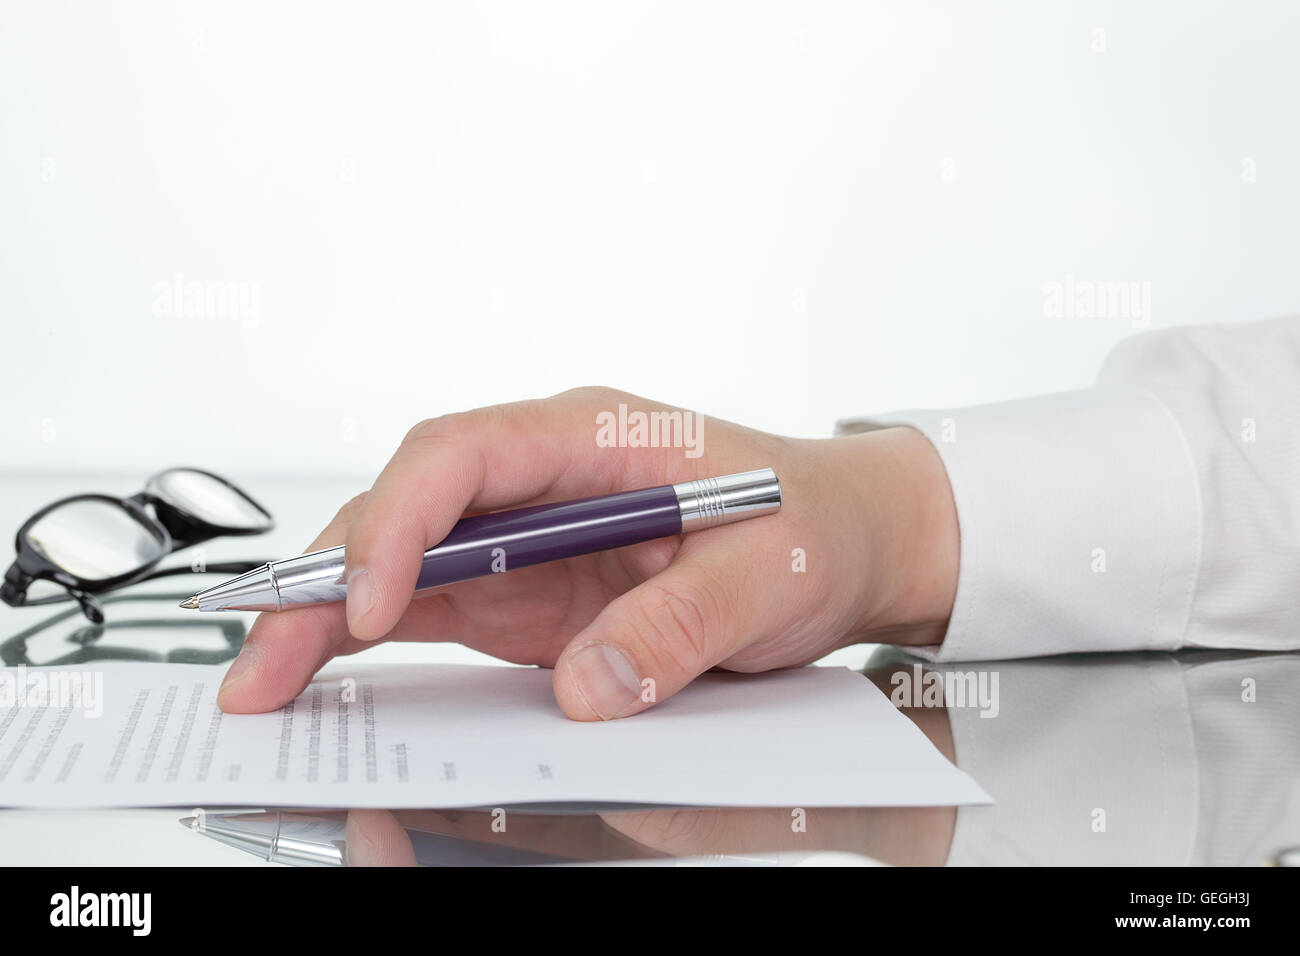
x=1039, y=760
x=1080, y=520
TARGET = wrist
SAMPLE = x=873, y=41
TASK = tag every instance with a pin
x=908, y=523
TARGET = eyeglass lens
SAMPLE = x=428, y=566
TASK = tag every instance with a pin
x=207, y=498
x=94, y=540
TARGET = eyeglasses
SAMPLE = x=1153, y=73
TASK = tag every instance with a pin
x=90, y=544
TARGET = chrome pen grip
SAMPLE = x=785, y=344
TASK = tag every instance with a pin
x=708, y=502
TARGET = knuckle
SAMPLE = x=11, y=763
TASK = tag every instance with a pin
x=458, y=426
x=675, y=625
x=674, y=829
x=338, y=526
x=351, y=506
x=596, y=394
x=429, y=430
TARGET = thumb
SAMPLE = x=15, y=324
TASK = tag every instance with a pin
x=376, y=838
x=652, y=641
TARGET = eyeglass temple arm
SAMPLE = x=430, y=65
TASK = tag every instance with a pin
x=14, y=593
x=223, y=567
x=89, y=605
x=14, y=589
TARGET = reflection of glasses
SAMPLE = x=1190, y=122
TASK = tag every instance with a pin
x=144, y=627
x=89, y=544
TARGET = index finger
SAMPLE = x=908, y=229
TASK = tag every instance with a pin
x=473, y=461
x=285, y=648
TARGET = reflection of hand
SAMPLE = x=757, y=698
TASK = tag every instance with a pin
x=872, y=513
x=903, y=836
x=381, y=837
x=898, y=835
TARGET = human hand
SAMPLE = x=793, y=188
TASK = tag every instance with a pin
x=898, y=836
x=872, y=515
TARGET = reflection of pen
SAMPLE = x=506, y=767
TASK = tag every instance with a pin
x=318, y=839
x=484, y=544
x=306, y=839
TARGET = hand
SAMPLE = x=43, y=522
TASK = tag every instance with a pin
x=898, y=836
x=872, y=515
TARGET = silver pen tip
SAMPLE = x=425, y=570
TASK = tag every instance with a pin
x=191, y=603
x=187, y=822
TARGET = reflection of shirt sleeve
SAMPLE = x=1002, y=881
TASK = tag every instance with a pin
x=1120, y=760
x=1158, y=509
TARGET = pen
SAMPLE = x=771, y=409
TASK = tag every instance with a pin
x=493, y=543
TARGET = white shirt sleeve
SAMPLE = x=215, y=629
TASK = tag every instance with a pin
x=1165, y=761
x=1158, y=509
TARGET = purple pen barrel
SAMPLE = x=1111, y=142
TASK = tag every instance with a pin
x=493, y=543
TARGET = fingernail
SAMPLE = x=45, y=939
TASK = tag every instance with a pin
x=242, y=666
x=359, y=595
x=605, y=680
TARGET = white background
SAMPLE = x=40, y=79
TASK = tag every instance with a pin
x=776, y=213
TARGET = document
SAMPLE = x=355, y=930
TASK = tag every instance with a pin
x=442, y=735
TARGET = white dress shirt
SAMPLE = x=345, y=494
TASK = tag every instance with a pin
x=1158, y=509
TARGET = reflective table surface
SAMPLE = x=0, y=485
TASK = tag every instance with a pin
x=1152, y=759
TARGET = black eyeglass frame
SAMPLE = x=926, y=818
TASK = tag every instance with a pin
x=170, y=524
